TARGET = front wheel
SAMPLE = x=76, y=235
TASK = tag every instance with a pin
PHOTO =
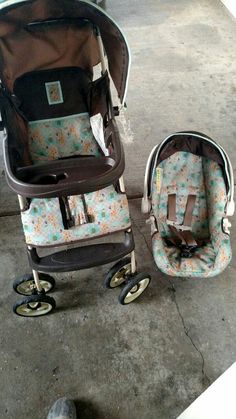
x=25, y=285
x=34, y=306
x=134, y=287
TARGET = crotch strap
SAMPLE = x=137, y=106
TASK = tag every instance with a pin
x=182, y=235
x=71, y=218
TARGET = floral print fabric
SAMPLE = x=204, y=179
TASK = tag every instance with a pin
x=184, y=173
x=43, y=226
x=51, y=139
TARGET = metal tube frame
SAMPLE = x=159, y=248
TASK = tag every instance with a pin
x=133, y=263
x=37, y=281
x=21, y=202
x=36, y=277
x=122, y=184
x=101, y=51
x=104, y=67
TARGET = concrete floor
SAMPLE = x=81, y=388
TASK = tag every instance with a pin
x=150, y=359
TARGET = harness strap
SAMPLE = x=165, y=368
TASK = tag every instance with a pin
x=70, y=219
x=181, y=234
x=176, y=238
x=189, y=239
x=172, y=207
x=182, y=238
x=189, y=210
x=67, y=218
x=88, y=217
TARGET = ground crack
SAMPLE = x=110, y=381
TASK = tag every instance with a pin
x=9, y=213
x=205, y=379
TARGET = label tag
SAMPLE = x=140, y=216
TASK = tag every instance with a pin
x=54, y=92
x=159, y=172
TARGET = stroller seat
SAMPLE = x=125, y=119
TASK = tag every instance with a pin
x=68, y=219
x=59, y=123
x=52, y=111
x=56, y=138
x=58, y=221
x=187, y=175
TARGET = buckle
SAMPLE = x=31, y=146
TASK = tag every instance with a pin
x=178, y=227
x=187, y=251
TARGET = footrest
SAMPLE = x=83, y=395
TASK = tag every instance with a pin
x=81, y=257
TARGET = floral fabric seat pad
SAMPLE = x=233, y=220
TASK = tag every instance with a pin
x=184, y=173
x=51, y=139
x=205, y=262
x=43, y=225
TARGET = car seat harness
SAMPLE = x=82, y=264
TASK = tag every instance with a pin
x=182, y=236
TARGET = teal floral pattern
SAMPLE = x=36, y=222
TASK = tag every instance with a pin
x=185, y=173
x=43, y=225
x=51, y=139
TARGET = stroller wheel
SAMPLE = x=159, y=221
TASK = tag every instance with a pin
x=118, y=273
x=25, y=284
x=34, y=305
x=134, y=288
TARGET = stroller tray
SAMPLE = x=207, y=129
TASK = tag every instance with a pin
x=81, y=257
x=70, y=176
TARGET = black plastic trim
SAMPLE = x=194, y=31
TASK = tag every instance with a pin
x=81, y=257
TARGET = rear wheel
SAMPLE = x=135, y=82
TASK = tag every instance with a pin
x=25, y=285
x=134, y=287
x=34, y=306
x=118, y=273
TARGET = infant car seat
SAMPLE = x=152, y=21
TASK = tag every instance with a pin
x=188, y=191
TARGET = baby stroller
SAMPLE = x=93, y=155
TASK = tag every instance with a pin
x=62, y=150
x=189, y=193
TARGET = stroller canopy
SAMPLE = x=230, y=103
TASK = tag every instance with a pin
x=25, y=46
